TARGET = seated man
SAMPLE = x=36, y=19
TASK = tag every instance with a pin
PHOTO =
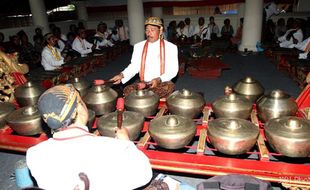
x=103, y=36
x=155, y=59
x=305, y=47
x=51, y=57
x=292, y=36
x=81, y=45
x=108, y=163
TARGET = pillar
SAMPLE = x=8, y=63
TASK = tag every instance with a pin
x=252, y=25
x=39, y=15
x=81, y=11
x=135, y=20
x=157, y=11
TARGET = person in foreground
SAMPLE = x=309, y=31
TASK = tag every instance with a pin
x=155, y=59
x=59, y=162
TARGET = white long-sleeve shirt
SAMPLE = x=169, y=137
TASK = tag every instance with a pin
x=190, y=30
x=298, y=35
x=203, y=32
x=109, y=163
x=48, y=61
x=152, y=62
x=82, y=46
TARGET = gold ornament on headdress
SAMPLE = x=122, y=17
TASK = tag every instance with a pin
x=153, y=21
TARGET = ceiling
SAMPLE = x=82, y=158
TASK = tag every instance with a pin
x=20, y=7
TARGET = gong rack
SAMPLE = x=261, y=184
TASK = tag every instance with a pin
x=200, y=157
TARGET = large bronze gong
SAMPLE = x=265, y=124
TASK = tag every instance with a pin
x=232, y=106
x=133, y=121
x=172, y=131
x=25, y=121
x=276, y=104
x=28, y=94
x=249, y=88
x=185, y=103
x=81, y=85
x=232, y=136
x=289, y=136
x=143, y=101
x=101, y=99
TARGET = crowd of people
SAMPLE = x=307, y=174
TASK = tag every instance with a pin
x=292, y=34
x=53, y=49
x=184, y=29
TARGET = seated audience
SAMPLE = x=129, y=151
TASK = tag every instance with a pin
x=213, y=28
x=181, y=31
x=280, y=27
x=190, y=28
x=292, y=36
x=217, y=11
x=227, y=30
x=61, y=42
x=81, y=45
x=13, y=45
x=103, y=36
x=122, y=31
x=269, y=32
x=73, y=153
x=305, y=47
x=172, y=31
x=51, y=57
x=28, y=55
x=202, y=30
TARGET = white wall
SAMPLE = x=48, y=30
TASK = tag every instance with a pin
x=303, y=6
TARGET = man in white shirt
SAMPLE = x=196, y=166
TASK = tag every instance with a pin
x=155, y=59
x=213, y=29
x=57, y=163
x=103, y=36
x=292, y=37
x=51, y=57
x=122, y=31
x=190, y=28
x=81, y=45
x=202, y=30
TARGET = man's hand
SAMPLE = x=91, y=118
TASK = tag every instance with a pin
x=122, y=133
x=155, y=82
x=117, y=78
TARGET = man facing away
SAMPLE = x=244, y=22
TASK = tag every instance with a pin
x=108, y=163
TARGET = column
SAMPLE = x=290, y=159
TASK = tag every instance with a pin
x=252, y=25
x=81, y=11
x=39, y=15
x=157, y=11
x=135, y=20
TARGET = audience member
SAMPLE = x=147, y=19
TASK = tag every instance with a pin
x=181, y=30
x=190, y=28
x=172, y=31
x=103, y=36
x=227, y=30
x=217, y=11
x=122, y=31
x=51, y=56
x=28, y=54
x=280, y=27
x=13, y=45
x=292, y=36
x=202, y=30
x=213, y=28
x=81, y=45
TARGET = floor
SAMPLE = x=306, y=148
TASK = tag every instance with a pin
x=256, y=66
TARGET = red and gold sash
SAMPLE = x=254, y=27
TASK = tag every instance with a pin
x=162, y=58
